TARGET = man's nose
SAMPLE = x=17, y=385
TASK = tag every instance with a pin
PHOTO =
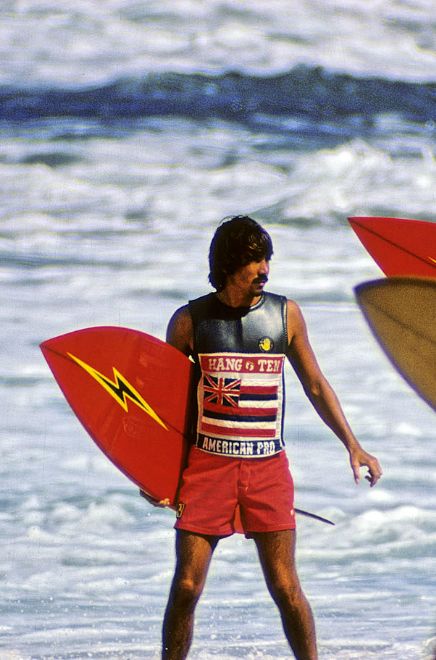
x=264, y=267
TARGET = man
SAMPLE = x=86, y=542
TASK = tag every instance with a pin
x=239, y=337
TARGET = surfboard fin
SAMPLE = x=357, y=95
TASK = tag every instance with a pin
x=315, y=516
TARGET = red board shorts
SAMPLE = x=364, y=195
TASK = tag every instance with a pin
x=215, y=487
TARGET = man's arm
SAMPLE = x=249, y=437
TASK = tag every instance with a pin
x=180, y=331
x=322, y=396
x=180, y=335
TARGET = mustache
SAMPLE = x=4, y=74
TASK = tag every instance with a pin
x=262, y=279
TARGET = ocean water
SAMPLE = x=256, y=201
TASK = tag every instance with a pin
x=127, y=131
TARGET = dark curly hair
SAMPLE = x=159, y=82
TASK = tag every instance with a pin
x=236, y=242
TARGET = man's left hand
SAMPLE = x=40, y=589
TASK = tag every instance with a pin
x=360, y=458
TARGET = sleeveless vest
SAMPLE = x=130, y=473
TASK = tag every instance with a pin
x=239, y=360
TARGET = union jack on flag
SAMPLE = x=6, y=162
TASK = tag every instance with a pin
x=221, y=391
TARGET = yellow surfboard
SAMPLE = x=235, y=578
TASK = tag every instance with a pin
x=401, y=312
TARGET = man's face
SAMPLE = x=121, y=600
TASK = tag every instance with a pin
x=251, y=279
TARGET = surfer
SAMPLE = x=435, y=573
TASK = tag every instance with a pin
x=239, y=337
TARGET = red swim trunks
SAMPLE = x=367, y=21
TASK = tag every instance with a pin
x=215, y=487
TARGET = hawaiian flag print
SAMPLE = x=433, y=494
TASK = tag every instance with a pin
x=240, y=396
x=221, y=391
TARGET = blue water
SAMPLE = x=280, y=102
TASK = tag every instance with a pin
x=127, y=131
x=305, y=92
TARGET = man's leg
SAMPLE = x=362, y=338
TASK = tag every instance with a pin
x=193, y=555
x=277, y=556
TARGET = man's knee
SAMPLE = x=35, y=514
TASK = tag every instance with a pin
x=287, y=593
x=186, y=591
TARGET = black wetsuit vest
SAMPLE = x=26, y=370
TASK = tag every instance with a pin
x=239, y=355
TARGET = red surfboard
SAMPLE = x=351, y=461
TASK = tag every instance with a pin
x=400, y=246
x=131, y=393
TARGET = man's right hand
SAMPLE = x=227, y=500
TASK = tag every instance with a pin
x=160, y=504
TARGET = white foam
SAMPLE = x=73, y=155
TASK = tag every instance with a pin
x=92, y=43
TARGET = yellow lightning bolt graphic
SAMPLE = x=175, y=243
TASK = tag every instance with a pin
x=120, y=389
